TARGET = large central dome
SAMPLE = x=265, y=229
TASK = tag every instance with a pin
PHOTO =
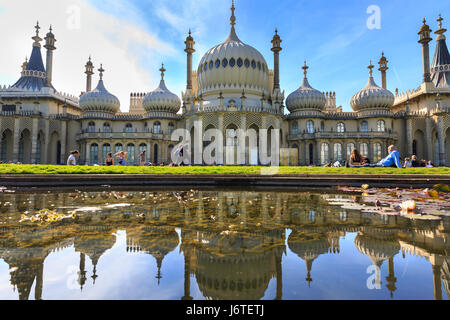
x=233, y=66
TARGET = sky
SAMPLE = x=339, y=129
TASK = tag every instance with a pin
x=131, y=38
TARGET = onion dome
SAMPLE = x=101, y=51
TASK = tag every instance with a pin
x=378, y=250
x=100, y=99
x=305, y=97
x=372, y=96
x=161, y=99
x=233, y=66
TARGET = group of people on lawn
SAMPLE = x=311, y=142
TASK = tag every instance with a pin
x=356, y=160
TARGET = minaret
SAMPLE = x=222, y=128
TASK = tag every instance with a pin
x=50, y=46
x=276, y=48
x=391, y=279
x=89, y=72
x=189, y=50
x=425, y=38
x=383, y=68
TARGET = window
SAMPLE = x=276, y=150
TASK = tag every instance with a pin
x=211, y=65
x=217, y=63
x=247, y=63
x=295, y=128
x=157, y=127
x=94, y=153
x=106, y=150
x=381, y=126
x=171, y=128
x=3, y=147
x=91, y=127
x=364, y=149
x=253, y=64
x=376, y=152
x=129, y=128
x=340, y=127
x=338, y=152
x=364, y=126
x=118, y=148
x=106, y=127
x=310, y=126
x=224, y=63
x=240, y=63
x=350, y=148
x=232, y=62
x=130, y=150
x=324, y=153
x=259, y=65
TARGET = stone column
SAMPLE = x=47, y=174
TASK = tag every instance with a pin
x=242, y=155
x=45, y=146
x=88, y=153
x=441, y=138
x=429, y=138
x=64, y=141
x=15, y=140
x=34, y=134
x=409, y=137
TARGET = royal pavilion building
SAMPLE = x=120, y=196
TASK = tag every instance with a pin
x=233, y=88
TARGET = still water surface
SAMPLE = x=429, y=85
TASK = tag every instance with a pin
x=214, y=245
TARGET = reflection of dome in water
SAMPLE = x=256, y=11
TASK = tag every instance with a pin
x=377, y=250
x=308, y=246
x=445, y=275
x=94, y=245
x=157, y=241
x=232, y=268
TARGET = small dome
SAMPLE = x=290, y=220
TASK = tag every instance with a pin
x=100, y=99
x=305, y=97
x=161, y=99
x=372, y=96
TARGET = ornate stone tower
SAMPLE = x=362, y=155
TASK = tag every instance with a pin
x=50, y=46
x=89, y=72
x=188, y=97
x=383, y=68
x=425, y=38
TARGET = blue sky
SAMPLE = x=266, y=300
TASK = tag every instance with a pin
x=331, y=35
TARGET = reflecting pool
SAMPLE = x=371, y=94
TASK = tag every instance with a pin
x=230, y=244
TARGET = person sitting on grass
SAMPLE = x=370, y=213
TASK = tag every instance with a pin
x=429, y=164
x=355, y=158
x=109, y=160
x=392, y=160
x=414, y=162
x=72, y=160
x=408, y=163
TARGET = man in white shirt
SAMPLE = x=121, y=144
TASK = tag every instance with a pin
x=72, y=161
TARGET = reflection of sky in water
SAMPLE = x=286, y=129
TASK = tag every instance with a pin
x=133, y=274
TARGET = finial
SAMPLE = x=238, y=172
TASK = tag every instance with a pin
x=276, y=31
x=305, y=69
x=162, y=71
x=424, y=20
x=51, y=28
x=370, y=67
x=439, y=20
x=233, y=18
x=101, y=70
x=190, y=32
x=37, y=29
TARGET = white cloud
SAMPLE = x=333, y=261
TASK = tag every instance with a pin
x=82, y=30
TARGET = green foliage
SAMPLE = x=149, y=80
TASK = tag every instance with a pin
x=51, y=170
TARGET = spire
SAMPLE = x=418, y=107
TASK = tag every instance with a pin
x=440, y=75
x=162, y=71
x=305, y=69
x=232, y=36
x=36, y=38
x=101, y=70
x=440, y=32
x=370, y=67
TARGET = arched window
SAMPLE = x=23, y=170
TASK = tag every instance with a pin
x=247, y=63
x=3, y=148
x=106, y=150
x=94, y=153
x=310, y=126
x=106, y=127
x=337, y=152
x=211, y=65
x=240, y=63
x=118, y=147
x=350, y=148
x=376, y=152
x=381, y=126
x=364, y=149
x=38, y=149
x=171, y=128
x=295, y=128
x=130, y=150
x=157, y=127
x=91, y=127
x=143, y=147
x=364, y=126
x=253, y=64
x=340, y=127
x=232, y=62
x=129, y=128
x=324, y=155
x=224, y=63
x=217, y=63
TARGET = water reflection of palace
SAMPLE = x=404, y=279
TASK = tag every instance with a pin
x=233, y=242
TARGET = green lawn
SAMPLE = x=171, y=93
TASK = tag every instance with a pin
x=43, y=169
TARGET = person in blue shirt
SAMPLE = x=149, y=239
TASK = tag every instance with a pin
x=393, y=159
